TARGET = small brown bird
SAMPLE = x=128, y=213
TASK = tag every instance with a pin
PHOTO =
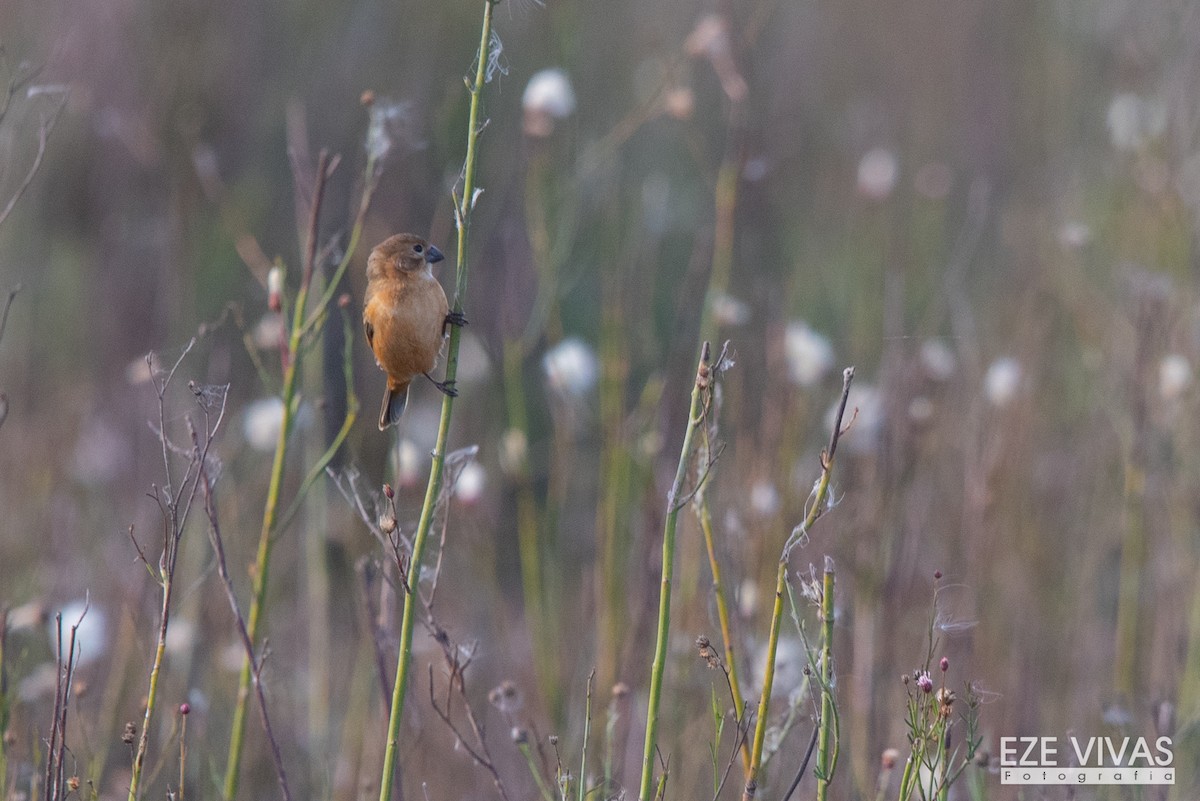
x=405, y=315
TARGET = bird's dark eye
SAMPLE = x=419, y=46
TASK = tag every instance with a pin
x=418, y=249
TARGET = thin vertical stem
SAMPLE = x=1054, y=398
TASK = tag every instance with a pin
x=827, y=739
x=271, y=509
x=587, y=724
x=739, y=703
x=465, y=204
x=695, y=420
x=815, y=510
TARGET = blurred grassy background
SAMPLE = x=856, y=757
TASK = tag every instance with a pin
x=989, y=208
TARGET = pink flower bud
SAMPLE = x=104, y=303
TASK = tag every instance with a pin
x=275, y=288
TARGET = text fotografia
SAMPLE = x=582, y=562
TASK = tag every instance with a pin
x=1086, y=760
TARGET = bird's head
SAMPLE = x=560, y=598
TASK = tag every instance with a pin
x=405, y=253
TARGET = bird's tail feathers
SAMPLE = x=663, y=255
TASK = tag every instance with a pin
x=394, y=401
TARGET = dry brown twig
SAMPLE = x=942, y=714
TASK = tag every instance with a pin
x=175, y=506
x=56, y=783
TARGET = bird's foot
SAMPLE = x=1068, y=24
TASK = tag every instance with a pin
x=453, y=318
x=445, y=386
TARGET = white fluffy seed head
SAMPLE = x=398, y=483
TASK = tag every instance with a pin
x=548, y=98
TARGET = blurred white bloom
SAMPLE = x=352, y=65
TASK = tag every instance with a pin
x=1133, y=121
x=1002, y=381
x=571, y=367
x=230, y=657
x=920, y=410
x=877, y=173
x=649, y=444
x=790, y=660
x=91, y=638
x=709, y=38
x=729, y=311
x=549, y=91
x=181, y=637
x=809, y=355
x=1074, y=235
x=269, y=332
x=1174, y=376
x=408, y=463
x=514, y=451
x=865, y=408
x=764, y=499
x=101, y=453
x=548, y=98
x=756, y=168
x=262, y=421
x=1118, y=716
x=938, y=361
x=471, y=481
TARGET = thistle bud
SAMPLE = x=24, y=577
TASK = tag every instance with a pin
x=275, y=288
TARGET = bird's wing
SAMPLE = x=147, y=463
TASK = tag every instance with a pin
x=370, y=329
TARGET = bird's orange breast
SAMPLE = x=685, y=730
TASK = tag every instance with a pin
x=407, y=316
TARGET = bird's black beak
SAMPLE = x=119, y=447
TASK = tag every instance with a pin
x=433, y=255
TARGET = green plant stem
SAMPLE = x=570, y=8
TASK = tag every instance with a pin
x=815, y=510
x=907, y=778
x=543, y=788
x=587, y=724
x=827, y=740
x=271, y=509
x=612, y=529
x=152, y=693
x=760, y=728
x=739, y=703
x=725, y=198
x=433, y=491
x=182, y=757
x=695, y=421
